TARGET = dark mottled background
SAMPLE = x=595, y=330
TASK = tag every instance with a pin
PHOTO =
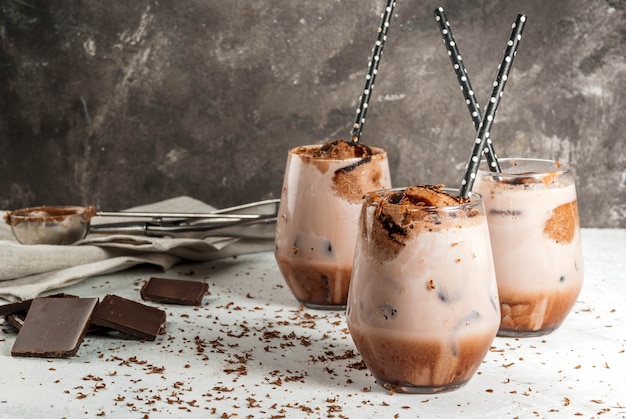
x=121, y=103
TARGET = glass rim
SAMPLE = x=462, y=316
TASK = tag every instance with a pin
x=292, y=151
x=558, y=166
x=476, y=199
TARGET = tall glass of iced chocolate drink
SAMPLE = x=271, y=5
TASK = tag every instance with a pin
x=423, y=304
x=317, y=219
x=535, y=235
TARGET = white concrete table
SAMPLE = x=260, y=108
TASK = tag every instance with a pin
x=250, y=351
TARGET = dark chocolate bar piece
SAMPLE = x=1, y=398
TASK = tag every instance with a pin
x=54, y=327
x=130, y=317
x=11, y=308
x=174, y=291
x=17, y=320
x=24, y=305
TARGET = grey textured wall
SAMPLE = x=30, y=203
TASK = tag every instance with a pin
x=121, y=103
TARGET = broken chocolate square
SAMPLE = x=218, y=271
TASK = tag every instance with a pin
x=54, y=327
x=16, y=319
x=174, y=291
x=129, y=317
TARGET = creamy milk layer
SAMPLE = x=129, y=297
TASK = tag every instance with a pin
x=537, y=251
x=423, y=304
x=317, y=221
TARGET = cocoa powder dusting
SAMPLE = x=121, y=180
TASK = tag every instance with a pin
x=353, y=184
x=342, y=149
x=562, y=226
x=402, y=213
x=432, y=196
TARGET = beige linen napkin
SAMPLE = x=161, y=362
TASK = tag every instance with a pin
x=28, y=270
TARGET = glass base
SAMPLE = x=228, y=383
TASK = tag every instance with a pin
x=524, y=333
x=321, y=306
x=412, y=389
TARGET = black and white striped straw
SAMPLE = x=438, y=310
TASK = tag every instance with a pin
x=490, y=112
x=464, y=81
x=372, y=70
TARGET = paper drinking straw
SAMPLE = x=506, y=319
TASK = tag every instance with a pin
x=464, y=81
x=490, y=112
x=372, y=70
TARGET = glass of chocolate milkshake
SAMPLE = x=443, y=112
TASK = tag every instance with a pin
x=423, y=304
x=535, y=235
x=317, y=220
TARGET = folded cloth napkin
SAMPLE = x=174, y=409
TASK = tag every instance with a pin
x=28, y=270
